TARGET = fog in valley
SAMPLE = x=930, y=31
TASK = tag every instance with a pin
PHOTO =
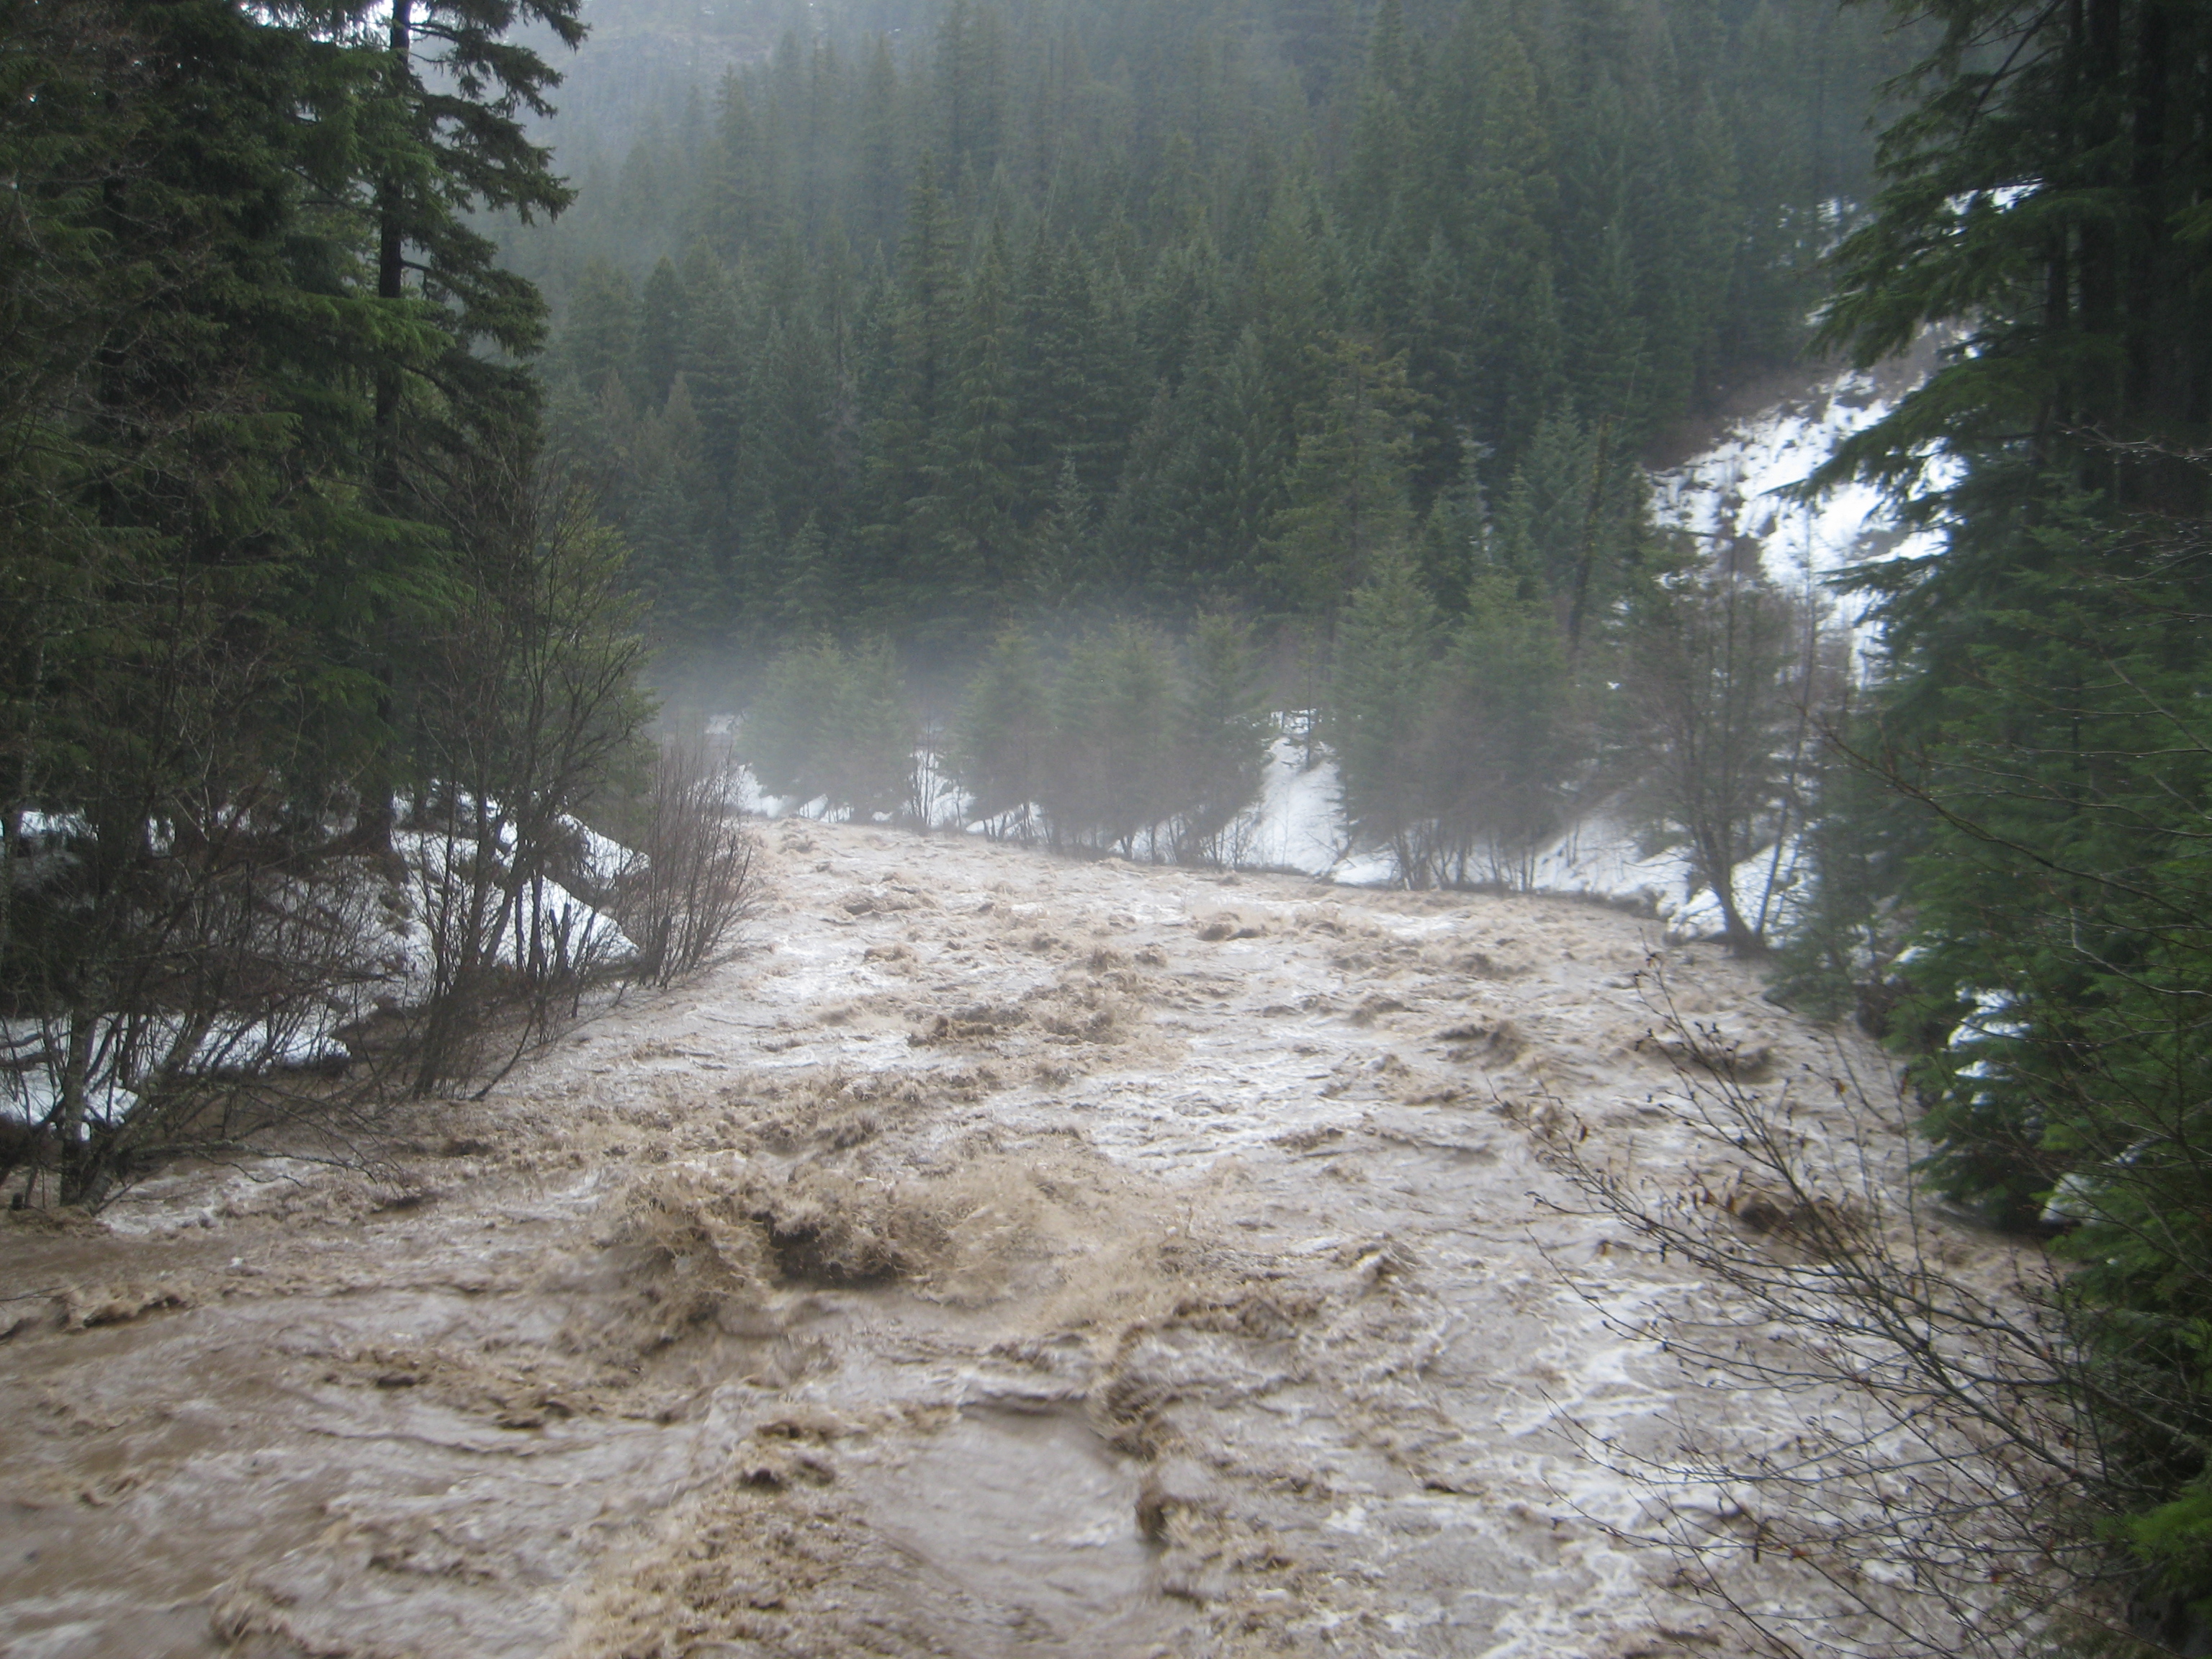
x=1095, y=826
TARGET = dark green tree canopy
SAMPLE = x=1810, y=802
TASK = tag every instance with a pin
x=1148, y=239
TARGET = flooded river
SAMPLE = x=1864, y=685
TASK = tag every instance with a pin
x=1004, y=1256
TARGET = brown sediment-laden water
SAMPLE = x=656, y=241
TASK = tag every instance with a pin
x=1005, y=1255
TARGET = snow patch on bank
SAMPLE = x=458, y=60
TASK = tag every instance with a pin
x=1298, y=822
x=377, y=923
x=1603, y=857
x=1732, y=491
x=1735, y=491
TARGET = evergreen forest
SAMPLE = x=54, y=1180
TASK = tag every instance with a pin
x=403, y=456
x=1054, y=311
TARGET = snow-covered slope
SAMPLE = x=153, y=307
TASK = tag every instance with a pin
x=1733, y=488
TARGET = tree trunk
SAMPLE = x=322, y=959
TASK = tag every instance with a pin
x=391, y=264
x=1716, y=869
x=374, y=823
x=79, y=1171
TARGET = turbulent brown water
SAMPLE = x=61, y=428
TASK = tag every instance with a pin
x=1004, y=1256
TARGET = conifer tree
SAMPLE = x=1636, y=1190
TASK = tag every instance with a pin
x=1349, y=507
x=714, y=368
x=968, y=517
x=918, y=357
x=1455, y=543
x=1513, y=191
x=2042, y=192
x=1534, y=210
x=879, y=162
x=733, y=211
x=1113, y=728
x=663, y=324
x=1222, y=734
x=445, y=138
x=668, y=568
x=804, y=584
x=1571, y=519
x=785, y=734
x=279, y=532
x=1381, y=710
x=871, y=742
x=1380, y=171
x=600, y=342
x=1061, y=557
x=1506, y=742
x=1002, y=740
x=785, y=467
x=833, y=725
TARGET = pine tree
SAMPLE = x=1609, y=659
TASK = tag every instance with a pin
x=1068, y=366
x=1060, y=562
x=833, y=726
x=785, y=734
x=803, y=583
x=1349, y=508
x=1106, y=783
x=663, y=326
x=1538, y=209
x=667, y=567
x=2042, y=191
x=280, y=535
x=970, y=71
x=1513, y=191
x=967, y=520
x=1381, y=173
x=600, y=342
x=918, y=362
x=786, y=468
x=1506, y=742
x=879, y=160
x=1004, y=733
x=1455, y=540
x=871, y=744
x=1222, y=736
x=1315, y=32
x=446, y=138
x=733, y=211
x=1381, y=711
x=1572, y=521
x=715, y=368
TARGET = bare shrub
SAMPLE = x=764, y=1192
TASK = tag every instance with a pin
x=181, y=991
x=193, y=956
x=505, y=953
x=696, y=879
x=1729, y=683
x=1936, y=1483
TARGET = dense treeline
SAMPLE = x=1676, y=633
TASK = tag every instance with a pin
x=297, y=614
x=1121, y=742
x=2036, y=853
x=1066, y=307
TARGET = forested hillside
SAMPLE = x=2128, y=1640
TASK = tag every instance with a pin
x=312, y=653
x=1066, y=307
x=1080, y=412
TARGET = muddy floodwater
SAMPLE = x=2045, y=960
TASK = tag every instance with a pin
x=1004, y=1256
